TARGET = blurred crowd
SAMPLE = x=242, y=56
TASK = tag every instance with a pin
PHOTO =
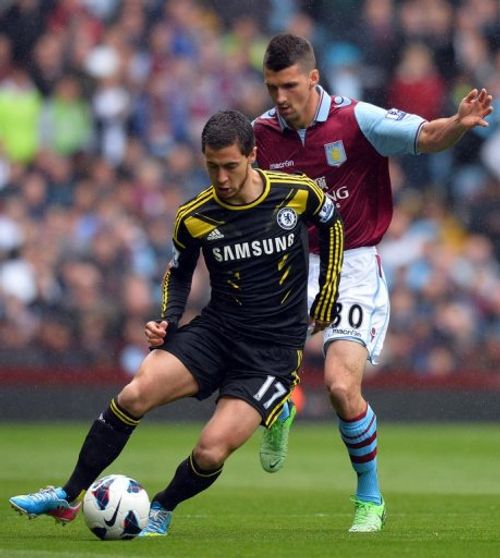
x=101, y=108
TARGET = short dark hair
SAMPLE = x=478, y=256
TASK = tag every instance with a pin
x=228, y=127
x=285, y=50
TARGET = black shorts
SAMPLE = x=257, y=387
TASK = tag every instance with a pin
x=261, y=374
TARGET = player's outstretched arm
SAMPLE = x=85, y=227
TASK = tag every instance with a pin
x=442, y=133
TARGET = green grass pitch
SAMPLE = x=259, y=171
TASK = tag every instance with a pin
x=441, y=484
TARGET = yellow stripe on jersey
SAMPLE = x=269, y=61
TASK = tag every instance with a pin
x=177, y=242
x=211, y=220
x=277, y=410
x=299, y=201
x=286, y=177
x=326, y=292
x=300, y=180
x=336, y=267
x=277, y=175
x=260, y=199
x=324, y=310
x=285, y=275
x=203, y=195
x=295, y=373
x=164, y=292
x=198, y=228
x=321, y=195
x=183, y=210
x=281, y=263
x=284, y=202
x=292, y=180
x=286, y=296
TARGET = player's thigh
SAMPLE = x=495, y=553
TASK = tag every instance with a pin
x=264, y=376
x=232, y=424
x=205, y=350
x=345, y=363
x=161, y=378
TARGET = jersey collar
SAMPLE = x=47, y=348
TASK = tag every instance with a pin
x=243, y=207
x=322, y=110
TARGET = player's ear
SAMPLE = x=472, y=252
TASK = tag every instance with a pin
x=313, y=78
x=252, y=156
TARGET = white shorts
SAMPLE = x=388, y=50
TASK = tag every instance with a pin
x=363, y=308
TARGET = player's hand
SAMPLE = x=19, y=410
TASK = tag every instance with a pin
x=156, y=332
x=317, y=325
x=474, y=108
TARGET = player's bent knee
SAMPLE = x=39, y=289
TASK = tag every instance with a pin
x=338, y=391
x=342, y=389
x=133, y=399
x=210, y=457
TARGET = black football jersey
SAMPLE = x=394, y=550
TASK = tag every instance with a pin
x=257, y=258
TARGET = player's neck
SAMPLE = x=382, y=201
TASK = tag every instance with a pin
x=310, y=110
x=251, y=190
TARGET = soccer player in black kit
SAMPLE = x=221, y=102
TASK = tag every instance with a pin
x=247, y=343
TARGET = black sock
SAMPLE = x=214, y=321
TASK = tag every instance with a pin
x=189, y=480
x=102, y=445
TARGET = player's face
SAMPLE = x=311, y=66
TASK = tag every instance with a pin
x=229, y=171
x=293, y=92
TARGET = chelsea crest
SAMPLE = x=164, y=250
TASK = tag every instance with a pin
x=287, y=218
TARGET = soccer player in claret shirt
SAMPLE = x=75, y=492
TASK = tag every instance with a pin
x=247, y=343
x=343, y=144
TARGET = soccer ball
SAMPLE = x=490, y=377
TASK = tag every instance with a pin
x=116, y=507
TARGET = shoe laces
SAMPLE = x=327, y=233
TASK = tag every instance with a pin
x=45, y=494
x=157, y=520
x=363, y=510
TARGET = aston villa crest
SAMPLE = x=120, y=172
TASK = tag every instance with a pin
x=335, y=153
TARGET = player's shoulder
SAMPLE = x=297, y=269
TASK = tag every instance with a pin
x=267, y=121
x=278, y=179
x=342, y=105
x=341, y=115
x=195, y=203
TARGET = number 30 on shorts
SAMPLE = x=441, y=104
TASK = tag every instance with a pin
x=270, y=391
x=354, y=315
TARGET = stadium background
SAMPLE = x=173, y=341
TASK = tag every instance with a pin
x=101, y=108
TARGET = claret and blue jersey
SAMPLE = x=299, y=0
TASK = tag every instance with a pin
x=345, y=151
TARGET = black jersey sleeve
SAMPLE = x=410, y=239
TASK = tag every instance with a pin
x=177, y=279
x=326, y=217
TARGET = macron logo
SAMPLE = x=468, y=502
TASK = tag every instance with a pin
x=281, y=165
x=215, y=235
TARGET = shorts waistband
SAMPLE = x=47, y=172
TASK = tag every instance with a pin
x=361, y=250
